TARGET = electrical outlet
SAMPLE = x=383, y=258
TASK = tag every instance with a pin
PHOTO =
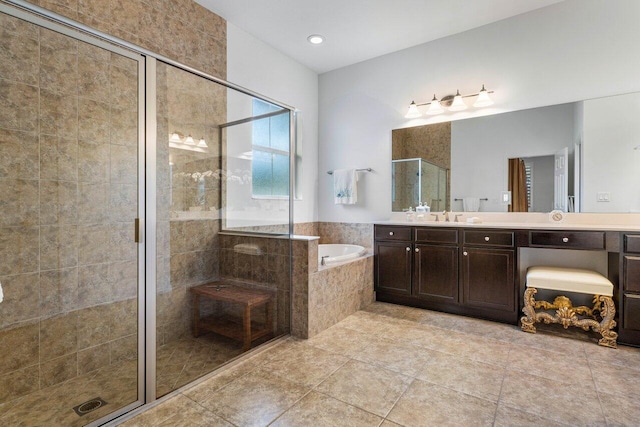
x=603, y=197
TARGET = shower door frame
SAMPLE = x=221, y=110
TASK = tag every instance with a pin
x=51, y=21
x=147, y=188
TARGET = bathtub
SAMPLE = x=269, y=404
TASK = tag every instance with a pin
x=334, y=254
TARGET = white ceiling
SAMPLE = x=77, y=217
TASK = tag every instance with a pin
x=357, y=30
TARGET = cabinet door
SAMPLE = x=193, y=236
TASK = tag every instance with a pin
x=489, y=280
x=436, y=273
x=393, y=267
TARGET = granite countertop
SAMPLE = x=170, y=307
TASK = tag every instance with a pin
x=517, y=225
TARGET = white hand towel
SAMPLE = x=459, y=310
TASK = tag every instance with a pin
x=471, y=204
x=345, y=186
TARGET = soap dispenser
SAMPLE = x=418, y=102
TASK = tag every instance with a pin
x=410, y=215
x=427, y=209
x=420, y=211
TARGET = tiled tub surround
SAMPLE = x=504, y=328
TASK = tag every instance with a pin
x=68, y=191
x=323, y=296
x=178, y=29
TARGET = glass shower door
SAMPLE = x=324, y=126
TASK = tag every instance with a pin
x=69, y=191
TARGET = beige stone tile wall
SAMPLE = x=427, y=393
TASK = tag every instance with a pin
x=178, y=29
x=68, y=191
x=348, y=233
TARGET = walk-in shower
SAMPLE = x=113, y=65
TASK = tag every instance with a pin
x=126, y=182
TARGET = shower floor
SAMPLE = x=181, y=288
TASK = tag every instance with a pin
x=178, y=363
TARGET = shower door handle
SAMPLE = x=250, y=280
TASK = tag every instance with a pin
x=138, y=230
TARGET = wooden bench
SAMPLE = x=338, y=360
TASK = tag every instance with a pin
x=229, y=292
x=599, y=317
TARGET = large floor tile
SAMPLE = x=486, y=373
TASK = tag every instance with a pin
x=425, y=404
x=254, y=400
x=567, y=368
x=509, y=417
x=614, y=379
x=620, y=410
x=557, y=401
x=366, y=386
x=317, y=409
x=464, y=375
x=341, y=340
x=407, y=360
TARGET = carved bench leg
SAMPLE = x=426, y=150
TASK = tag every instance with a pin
x=528, y=321
x=608, y=312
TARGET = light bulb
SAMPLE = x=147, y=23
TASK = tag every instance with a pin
x=413, y=111
x=458, y=103
x=175, y=137
x=435, y=107
x=484, y=100
x=202, y=143
x=189, y=141
x=315, y=39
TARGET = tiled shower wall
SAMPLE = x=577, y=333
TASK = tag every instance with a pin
x=68, y=191
x=178, y=29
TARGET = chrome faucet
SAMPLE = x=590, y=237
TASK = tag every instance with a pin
x=446, y=216
x=456, y=217
x=322, y=260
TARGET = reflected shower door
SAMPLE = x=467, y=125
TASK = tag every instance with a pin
x=69, y=190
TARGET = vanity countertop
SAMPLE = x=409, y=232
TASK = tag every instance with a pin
x=517, y=225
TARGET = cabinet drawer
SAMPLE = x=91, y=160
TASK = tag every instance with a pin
x=570, y=239
x=632, y=273
x=489, y=238
x=631, y=312
x=632, y=243
x=432, y=235
x=393, y=233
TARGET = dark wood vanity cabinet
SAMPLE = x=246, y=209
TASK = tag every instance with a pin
x=450, y=270
x=629, y=319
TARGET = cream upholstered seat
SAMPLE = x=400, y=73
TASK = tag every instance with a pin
x=570, y=280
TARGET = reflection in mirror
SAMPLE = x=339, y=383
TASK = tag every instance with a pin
x=418, y=182
x=578, y=157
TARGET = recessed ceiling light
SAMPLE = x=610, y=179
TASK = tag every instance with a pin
x=315, y=39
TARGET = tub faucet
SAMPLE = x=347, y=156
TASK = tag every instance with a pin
x=446, y=216
x=322, y=261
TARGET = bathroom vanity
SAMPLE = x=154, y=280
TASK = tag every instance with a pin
x=472, y=269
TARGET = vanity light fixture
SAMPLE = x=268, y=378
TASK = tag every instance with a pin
x=175, y=137
x=202, y=143
x=315, y=39
x=189, y=141
x=450, y=102
x=177, y=140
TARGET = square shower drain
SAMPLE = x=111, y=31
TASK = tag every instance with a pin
x=89, y=406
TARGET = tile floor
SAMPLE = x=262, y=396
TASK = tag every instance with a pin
x=179, y=363
x=390, y=365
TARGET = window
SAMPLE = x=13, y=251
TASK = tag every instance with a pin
x=270, y=139
x=528, y=171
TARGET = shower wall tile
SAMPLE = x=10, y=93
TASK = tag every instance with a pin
x=92, y=327
x=93, y=286
x=123, y=203
x=93, y=122
x=23, y=341
x=19, y=250
x=123, y=126
x=121, y=242
x=19, y=202
x=58, y=158
x=58, y=291
x=93, y=202
x=18, y=106
x=93, y=161
x=58, y=336
x=18, y=57
x=93, y=73
x=58, y=370
x=20, y=299
x=58, y=63
x=58, y=114
x=93, y=358
x=344, y=232
x=58, y=202
x=19, y=383
x=18, y=158
x=123, y=278
x=58, y=247
x=93, y=239
x=123, y=319
x=124, y=164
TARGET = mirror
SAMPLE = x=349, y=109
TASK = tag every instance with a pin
x=577, y=157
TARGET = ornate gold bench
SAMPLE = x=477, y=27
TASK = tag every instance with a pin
x=599, y=317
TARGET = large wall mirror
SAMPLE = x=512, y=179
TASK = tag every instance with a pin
x=578, y=157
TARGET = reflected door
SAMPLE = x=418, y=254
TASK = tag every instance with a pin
x=69, y=190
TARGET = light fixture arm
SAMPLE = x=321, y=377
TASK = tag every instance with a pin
x=471, y=95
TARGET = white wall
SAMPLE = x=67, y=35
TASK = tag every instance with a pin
x=255, y=65
x=481, y=147
x=610, y=162
x=574, y=50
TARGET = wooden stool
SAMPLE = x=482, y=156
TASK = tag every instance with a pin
x=227, y=326
x=571, y=280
